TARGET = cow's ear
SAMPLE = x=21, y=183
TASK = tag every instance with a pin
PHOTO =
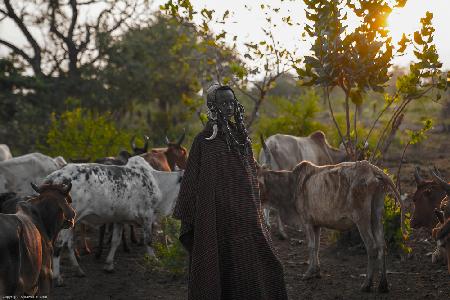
x=68, y=186
x=35, y=187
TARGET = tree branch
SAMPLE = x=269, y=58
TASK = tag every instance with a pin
x=16, y=50
x=34, y=61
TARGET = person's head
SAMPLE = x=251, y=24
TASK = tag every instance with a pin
x=222, y=105
x=225, y=102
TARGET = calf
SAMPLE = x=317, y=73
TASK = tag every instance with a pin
x=26, y=239
x=336, y=197
x=134, y=193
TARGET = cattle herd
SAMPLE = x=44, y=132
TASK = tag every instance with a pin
x=303, y=181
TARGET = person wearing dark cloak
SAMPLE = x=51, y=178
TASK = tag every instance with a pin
x=231, y=256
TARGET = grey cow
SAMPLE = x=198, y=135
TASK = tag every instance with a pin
x=335, y=197
x=284, y=152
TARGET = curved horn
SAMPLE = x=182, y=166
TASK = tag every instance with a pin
x=68, y=186
x=417, y=176
x=181, y=139
x=442, y=182
x=266, y=150
x=215, y=130
x=146, y=139
x=133, y=145
x=35, y=187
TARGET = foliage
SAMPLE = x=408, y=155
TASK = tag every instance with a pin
x=81, y=133
x=359, y=60
x=155, y=74
x=391, y=222
x=265, y=57
x=170, y=254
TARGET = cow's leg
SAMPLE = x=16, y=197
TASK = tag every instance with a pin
x=378, y=231
x=56, y=265
x=266, y=212
x=133, y=236
x=101, y=237
x=115, y=242
x=86, y=249
x=365, y=231
x=72, y=257
x=125, y=246
x=313, y=269
x=281, y=231
x=148, y=237
x=447, y=252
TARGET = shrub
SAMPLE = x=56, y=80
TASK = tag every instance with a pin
x=392, y=232
x=171, y=255
x=80, y=133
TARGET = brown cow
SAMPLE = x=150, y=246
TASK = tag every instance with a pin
x=167, y=159
x=426, y=199
x=336, y=197
x=26, y=240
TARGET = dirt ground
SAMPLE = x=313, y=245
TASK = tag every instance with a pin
x=343, y=268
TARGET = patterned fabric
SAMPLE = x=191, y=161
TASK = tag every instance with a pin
x=231, y=253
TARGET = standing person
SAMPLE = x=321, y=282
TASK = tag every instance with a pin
x=230, y=250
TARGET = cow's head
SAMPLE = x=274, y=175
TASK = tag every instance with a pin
x=137, y=150
x=176, y=154
x=426, y=199
x=56, y=206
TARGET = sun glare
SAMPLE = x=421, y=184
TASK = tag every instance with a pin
x=405, y=20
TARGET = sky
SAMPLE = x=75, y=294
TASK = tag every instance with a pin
x=248, y=24
x=247, y=19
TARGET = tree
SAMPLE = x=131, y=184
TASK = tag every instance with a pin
x=60, y=59
x=359, y=61
x=241, y=73
x=157, y=71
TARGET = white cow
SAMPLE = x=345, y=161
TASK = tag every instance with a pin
x=17, y=173
x=284, y=152
x=134, y=193
x=4, y=152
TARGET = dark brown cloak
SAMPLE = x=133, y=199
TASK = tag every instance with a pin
x=231, y=253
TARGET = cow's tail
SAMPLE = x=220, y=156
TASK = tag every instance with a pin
x=388, y=181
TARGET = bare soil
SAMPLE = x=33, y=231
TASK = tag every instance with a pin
x=343, y=268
